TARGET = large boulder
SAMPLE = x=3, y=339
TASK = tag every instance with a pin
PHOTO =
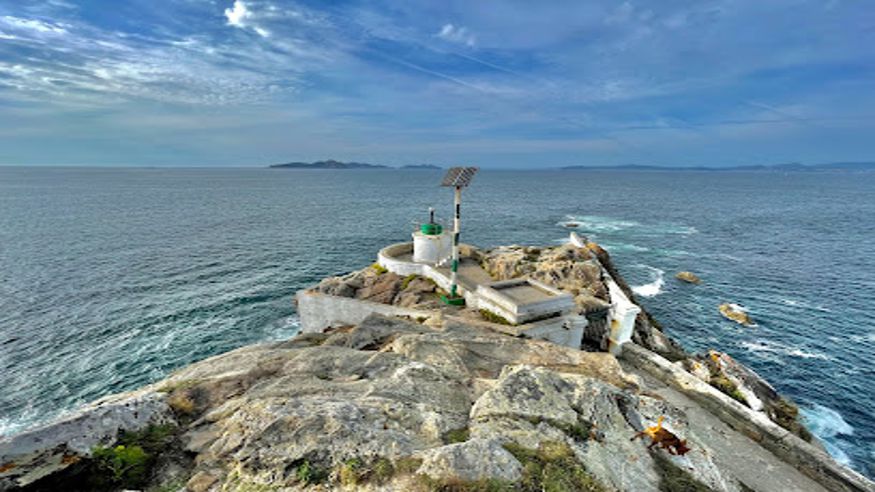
x=530, y=406
x=688, y=277
x=737, y=313
x=477, y=459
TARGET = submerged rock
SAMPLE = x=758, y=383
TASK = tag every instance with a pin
x=736, y=313
x=688, y=277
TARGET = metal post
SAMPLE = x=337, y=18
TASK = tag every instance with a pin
x=456, y=229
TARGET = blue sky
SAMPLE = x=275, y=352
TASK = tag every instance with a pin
x=496, y=84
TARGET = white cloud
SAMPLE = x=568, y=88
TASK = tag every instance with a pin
x=32, y=25
x=240, y=15
x=457, y=34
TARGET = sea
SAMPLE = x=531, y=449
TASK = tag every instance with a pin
x=111, y=278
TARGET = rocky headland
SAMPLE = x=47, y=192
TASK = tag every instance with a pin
x=446, y=401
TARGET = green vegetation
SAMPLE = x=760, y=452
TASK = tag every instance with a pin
x=727, y=387
x=379, y=268
x=122, y=465
x=552, y=468
x=494, y=318
x=309, y=474
x=356, y=471
x=454, y=436
x=129, y=463
x=674, y=478
x=407, y=465
x=406, y=282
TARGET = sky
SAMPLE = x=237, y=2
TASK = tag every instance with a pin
x=509, y=84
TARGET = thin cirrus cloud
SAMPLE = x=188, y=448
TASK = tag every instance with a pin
x=457, y=34
x=574, y=82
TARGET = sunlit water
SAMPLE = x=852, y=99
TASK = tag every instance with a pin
x=111, y=278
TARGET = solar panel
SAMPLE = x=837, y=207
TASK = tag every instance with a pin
x=459, y=176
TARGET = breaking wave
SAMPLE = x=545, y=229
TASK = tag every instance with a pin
x=781, y=349
x=594, y=223
x=828, y=425
x=653, y=288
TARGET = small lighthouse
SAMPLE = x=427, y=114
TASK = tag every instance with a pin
x=431, y=244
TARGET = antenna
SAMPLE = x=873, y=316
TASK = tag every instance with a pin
x=458, y=178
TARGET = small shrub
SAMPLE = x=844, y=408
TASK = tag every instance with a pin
x=379, y=268
x=125, y=466
x=454, y=436
x=309, y=474
x=494, y=318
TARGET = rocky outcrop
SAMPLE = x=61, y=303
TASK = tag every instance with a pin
x=377, y=285
x=31, y=456
x=736, y=313
x=747, y=387
x=688, y=277
x=373, y=406
x=584, y=273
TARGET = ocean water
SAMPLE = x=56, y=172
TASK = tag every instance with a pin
x=111, y=278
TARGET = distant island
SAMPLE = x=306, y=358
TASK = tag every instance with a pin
x=333, y=164
x=329, y=164
x=793, y=166
x=422, y=167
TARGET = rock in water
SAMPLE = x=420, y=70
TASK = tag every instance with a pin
x=736, y=313
x=688, y=277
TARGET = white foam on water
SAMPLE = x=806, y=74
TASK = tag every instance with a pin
x=653, y=288
x=801, y=304
x=828, y=424
x=595, y=223
x=869, y=337
x=614, y=247
x=781, y=349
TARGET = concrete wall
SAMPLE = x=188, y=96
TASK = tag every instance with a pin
x=320, y=311
x=388, y=258
x=566, y=331
x=807, y=458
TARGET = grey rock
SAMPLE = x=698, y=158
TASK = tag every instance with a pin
x=476, y=459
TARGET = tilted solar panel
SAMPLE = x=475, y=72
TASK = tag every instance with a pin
x=459, y=176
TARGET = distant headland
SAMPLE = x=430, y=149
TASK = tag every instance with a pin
x=333, y=164
x=329, y=164
x=789, y=167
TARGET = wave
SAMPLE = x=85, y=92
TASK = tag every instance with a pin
x=615, y=247
x=653, y=288
x=595, y=223
x=805, y=305
x=781, y=349
x=828, y=424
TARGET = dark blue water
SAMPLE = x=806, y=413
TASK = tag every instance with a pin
x=110, y=278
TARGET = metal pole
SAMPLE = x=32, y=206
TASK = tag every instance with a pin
x=456, y=228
